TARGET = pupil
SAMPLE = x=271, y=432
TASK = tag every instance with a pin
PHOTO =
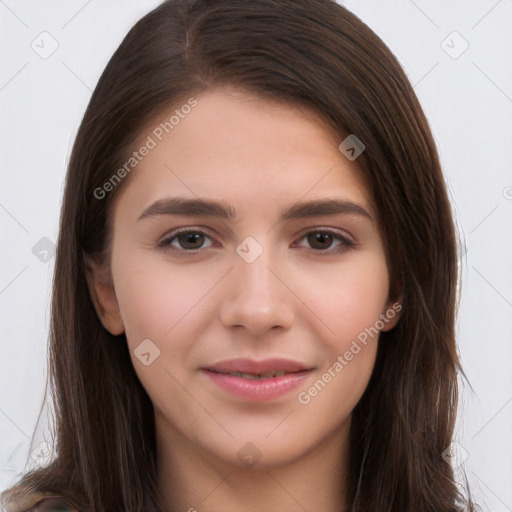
x=322, y=238
x=192, y=239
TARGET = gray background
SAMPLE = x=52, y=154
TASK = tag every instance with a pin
x=52, y=54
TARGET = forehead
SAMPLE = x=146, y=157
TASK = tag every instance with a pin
x=253, y=152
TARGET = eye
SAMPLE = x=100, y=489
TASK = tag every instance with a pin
x=186, y=239
x=321, y=240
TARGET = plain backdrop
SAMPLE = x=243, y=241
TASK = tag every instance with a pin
x=457, y=55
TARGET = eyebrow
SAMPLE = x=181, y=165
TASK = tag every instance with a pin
x=207, y=208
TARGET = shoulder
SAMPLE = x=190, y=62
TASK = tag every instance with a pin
x=21, y=499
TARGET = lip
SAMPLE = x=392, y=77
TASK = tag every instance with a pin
x=257, y=390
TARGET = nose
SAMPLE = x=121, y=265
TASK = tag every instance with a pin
x=258, y=297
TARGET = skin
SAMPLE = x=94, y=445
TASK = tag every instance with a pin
x=209, y=305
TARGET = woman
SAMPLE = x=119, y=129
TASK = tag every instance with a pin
x=255, y=283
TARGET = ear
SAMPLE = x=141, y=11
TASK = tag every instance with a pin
x=392, y=314
x=101, y=290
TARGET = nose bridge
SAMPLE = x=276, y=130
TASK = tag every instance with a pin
x=257, y=281
x=257, y=278
x=257, y=299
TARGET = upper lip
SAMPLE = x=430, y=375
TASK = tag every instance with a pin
x=258, y=367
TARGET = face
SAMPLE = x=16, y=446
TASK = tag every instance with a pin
x=280, y=269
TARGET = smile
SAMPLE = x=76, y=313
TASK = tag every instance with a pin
x=257, y=381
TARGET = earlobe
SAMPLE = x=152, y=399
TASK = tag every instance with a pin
x=101, y=290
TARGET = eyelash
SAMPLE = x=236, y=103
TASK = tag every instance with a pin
x=346, y=243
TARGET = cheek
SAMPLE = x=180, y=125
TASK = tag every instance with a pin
x=351, y=308
x=170, y=309
x=155, y=301
x=353, y=299
x=173, y=306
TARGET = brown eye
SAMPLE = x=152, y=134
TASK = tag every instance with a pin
x=186, y=240
x=325, y=242
x=320, y=240
x=190, y=240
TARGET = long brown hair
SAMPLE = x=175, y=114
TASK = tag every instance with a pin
x=312, y=53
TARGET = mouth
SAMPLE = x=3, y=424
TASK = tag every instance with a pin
x=257, y=380
x=257, y=376
x=265, y=368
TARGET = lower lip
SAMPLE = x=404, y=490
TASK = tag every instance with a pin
x=257, y=390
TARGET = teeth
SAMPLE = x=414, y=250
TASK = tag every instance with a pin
x=268, y=375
